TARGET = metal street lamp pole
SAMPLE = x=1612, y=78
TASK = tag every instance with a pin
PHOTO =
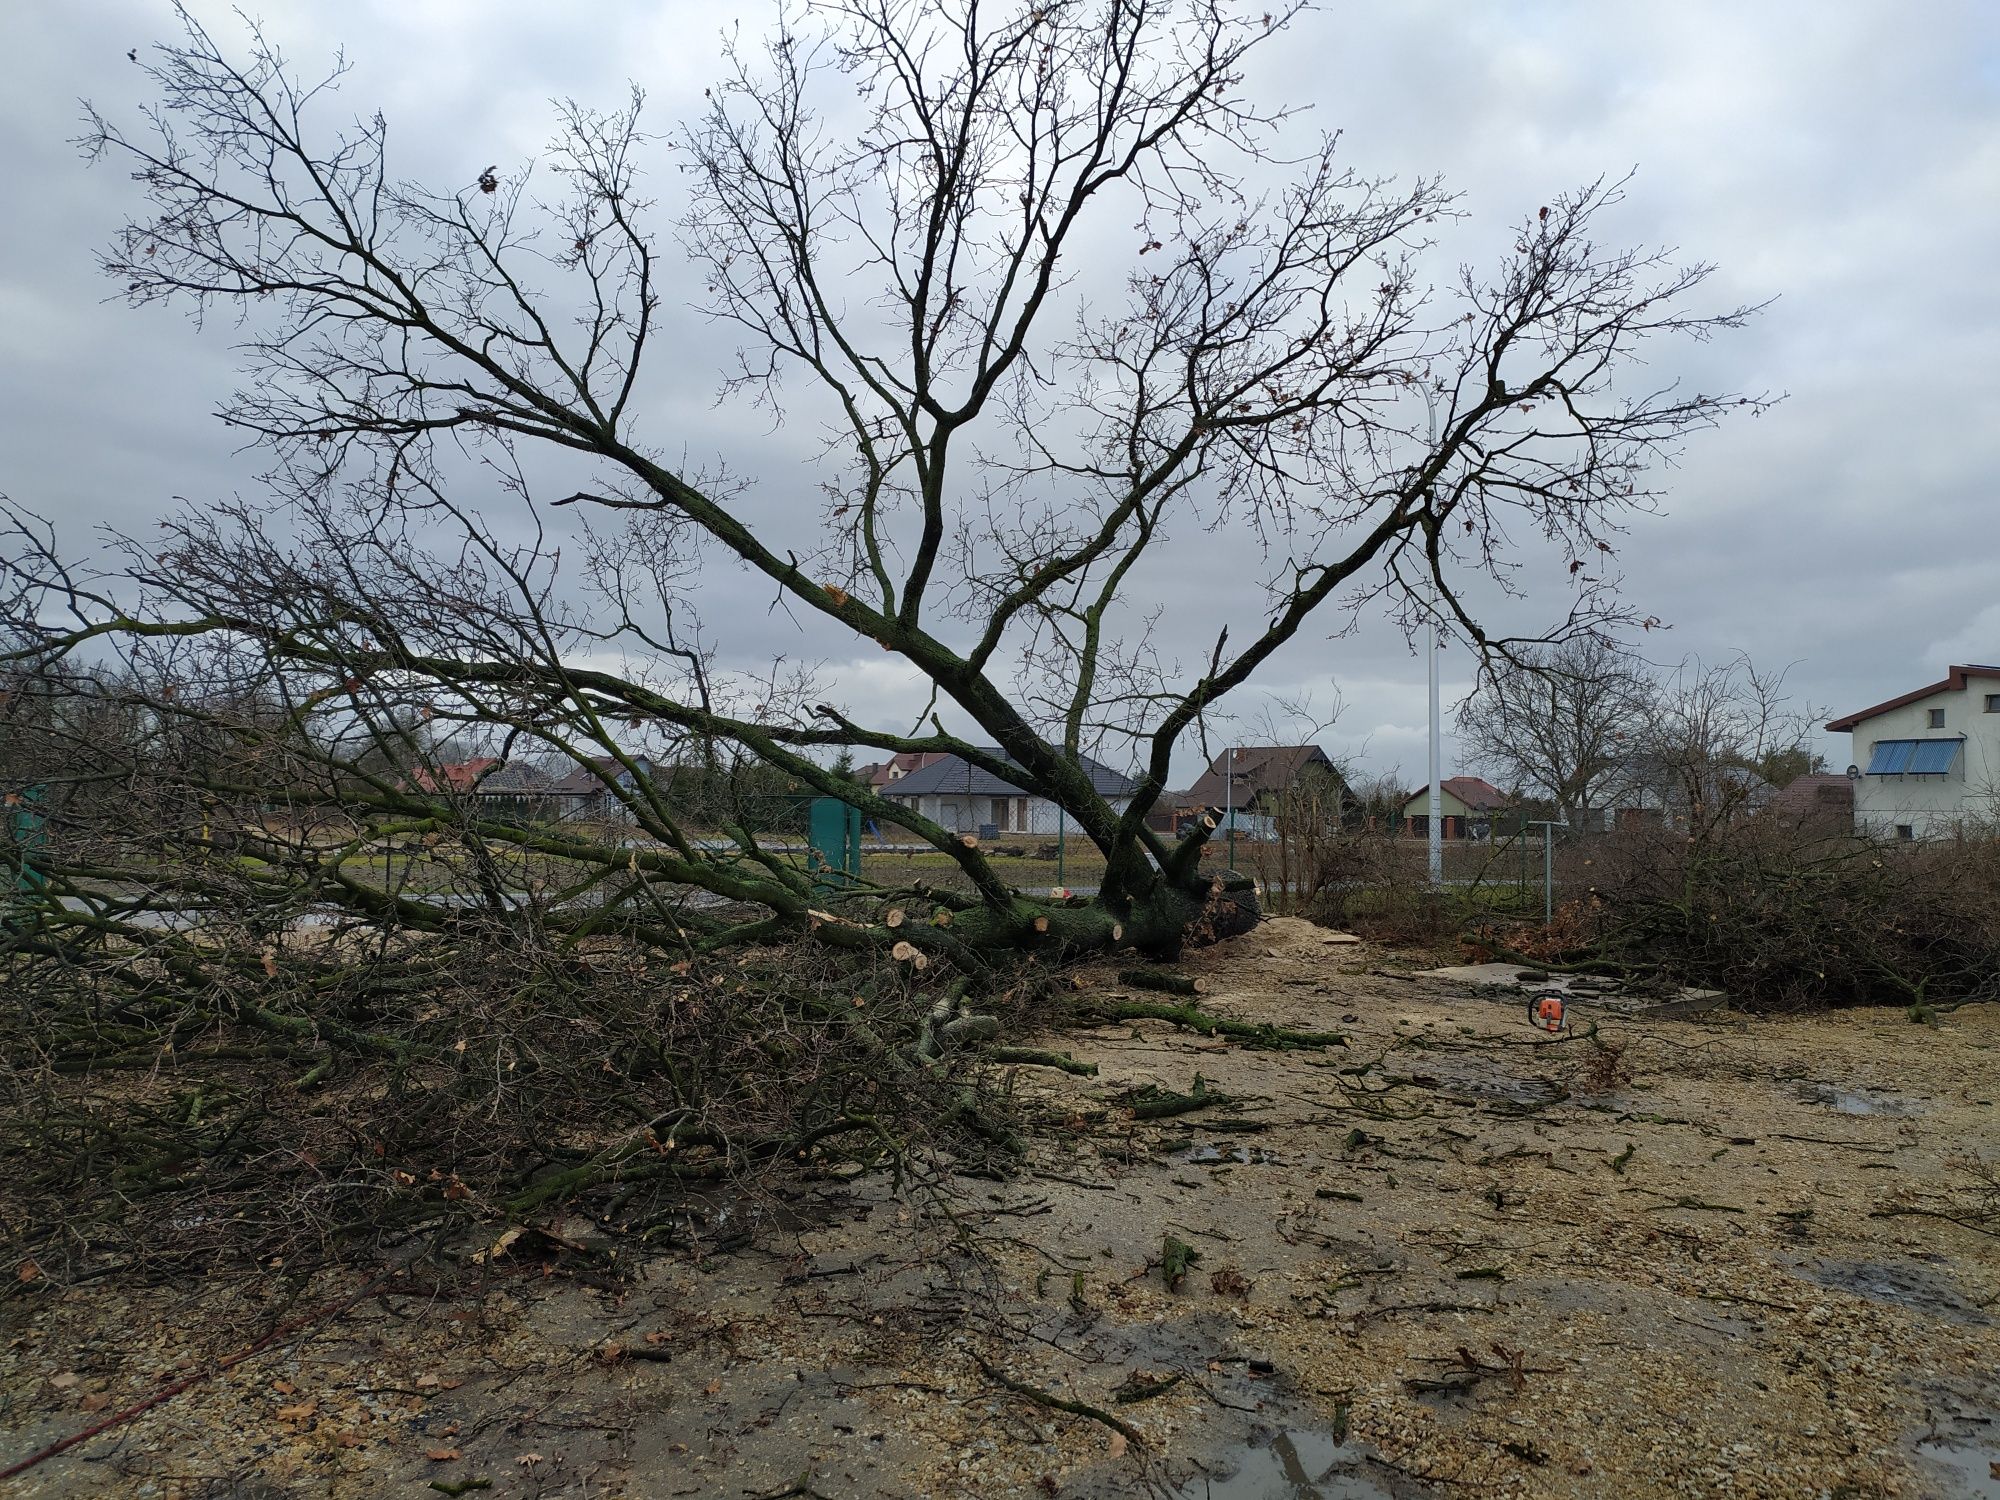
x=1436, y=821
x=1434, y=825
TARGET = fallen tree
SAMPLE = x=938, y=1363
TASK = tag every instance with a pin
x=302, y=679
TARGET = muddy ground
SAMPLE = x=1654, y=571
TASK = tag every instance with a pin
x=1454, y=1258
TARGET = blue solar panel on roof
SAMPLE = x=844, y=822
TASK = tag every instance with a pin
x=1892, y=757
x=1933, y=757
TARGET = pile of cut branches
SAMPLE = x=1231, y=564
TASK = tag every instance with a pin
x=173, y=1099
x=1779, y=916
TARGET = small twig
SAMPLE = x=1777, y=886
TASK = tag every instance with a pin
x=1054, y=1402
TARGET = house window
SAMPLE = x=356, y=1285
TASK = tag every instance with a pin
x=1937, y=718
x=1905, y=832
x=1993, y=703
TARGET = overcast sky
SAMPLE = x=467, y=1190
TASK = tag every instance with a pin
x=1842, y=157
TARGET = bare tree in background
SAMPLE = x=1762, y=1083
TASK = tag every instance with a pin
x=1718, y=737
x=906, y=211
x=1562, y=721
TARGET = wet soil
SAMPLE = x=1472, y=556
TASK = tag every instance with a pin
x=1457, y=1257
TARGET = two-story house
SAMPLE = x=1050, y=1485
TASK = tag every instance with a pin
x=1927, y=764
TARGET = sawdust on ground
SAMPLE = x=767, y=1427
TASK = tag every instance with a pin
x=1454, y=1258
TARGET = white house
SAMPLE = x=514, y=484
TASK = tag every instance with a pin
x=962, y=797
x=1927, y=764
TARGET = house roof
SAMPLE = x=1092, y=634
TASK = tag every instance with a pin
x=1814, y=795
x=950, y=775
x=1259, y=769
x=484, y=775
x=1474, y=793
x=513, y=777
x=880, y=773
x=457, y=776
x=595, y=774
x=1954, y=682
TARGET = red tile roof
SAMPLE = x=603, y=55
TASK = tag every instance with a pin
x=1477, y=795
x=458, y=776
x=898, y=766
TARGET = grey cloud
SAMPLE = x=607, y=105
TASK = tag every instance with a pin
x=1845, y=159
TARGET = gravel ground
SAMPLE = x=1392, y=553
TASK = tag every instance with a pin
x=1719, y=1257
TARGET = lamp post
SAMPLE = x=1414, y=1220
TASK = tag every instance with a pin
x=1434, y=824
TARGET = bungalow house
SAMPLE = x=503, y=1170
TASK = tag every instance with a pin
x=1653, y=791
x=1467, y=809
x=1927, y=764
x=965, y=798
x=591, y=792
x=501, y=789
x=1248, y=781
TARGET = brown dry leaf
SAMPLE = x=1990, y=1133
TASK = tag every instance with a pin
x=63, y=1381
x=270, y=961
x=528, y=1460
x=300, y=1412
x=1118, y=1445
x=95, y=1401
x=658, y=1338
x=405, y=1179
x=284, y=1388
x=442, y=1455
x=1229, y=1282
x=28, y=1272
x=349, y=1439
x=429, y=1382
x=713, y=1388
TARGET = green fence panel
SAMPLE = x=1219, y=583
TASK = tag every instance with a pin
x=835, y=835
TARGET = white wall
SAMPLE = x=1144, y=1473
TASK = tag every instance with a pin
x=1932, y=806
x=1034, y=815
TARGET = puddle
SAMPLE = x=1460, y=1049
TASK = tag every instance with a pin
x=1897, y=1283
x=1292, y=1466
x=1858, y=1101
x=1974, y=1472
x=1210, y=1154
